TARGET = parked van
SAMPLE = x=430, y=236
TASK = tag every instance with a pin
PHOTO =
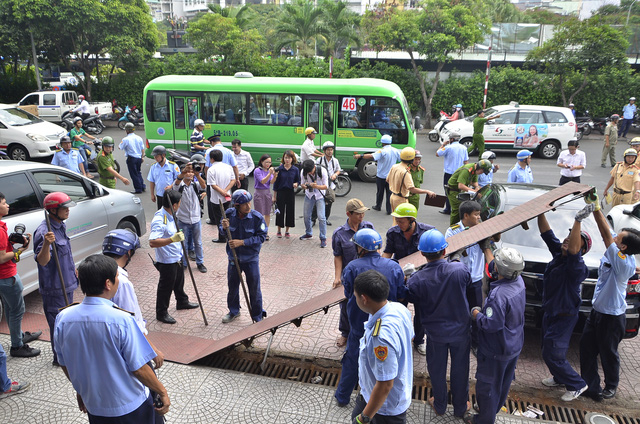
x=53, y=104
x=24, y=136
x=545, y=130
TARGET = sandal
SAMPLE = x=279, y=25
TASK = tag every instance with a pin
x=279, y=235
x=287, y=235
x=266, y=238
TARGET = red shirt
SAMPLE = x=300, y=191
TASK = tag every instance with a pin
x=7, y=269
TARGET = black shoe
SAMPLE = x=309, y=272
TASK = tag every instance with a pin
x=202, y=268
x=55, y=363
x=218, y=240
x=376, y=208
x=329, y=223
x=210, y=222
x=593, y=396
x=388, y=212
x=445, y=212
x=468, y=418
x=166, y=318
x=136, y=192
x=188, y=305
x=28, y=337
x=608, y=393
x=24, y=351
x=192, y=255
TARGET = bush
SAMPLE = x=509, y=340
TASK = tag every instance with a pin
x=15, y=85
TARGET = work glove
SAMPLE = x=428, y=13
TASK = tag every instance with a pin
x=408, y=269
x=585, y=212
x=485, y=244
x=593, y=198
x=177, y=237
x=455, y=256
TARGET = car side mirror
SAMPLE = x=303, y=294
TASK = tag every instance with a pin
x=627, y=212
x=95, y=190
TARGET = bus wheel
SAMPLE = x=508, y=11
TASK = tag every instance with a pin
x=367, y=170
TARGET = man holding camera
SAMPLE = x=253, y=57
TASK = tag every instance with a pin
x=11, y=285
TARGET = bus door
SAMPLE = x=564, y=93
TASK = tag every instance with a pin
x=185, y=112
x=321, y=115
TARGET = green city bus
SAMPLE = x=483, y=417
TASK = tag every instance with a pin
x=269, y=115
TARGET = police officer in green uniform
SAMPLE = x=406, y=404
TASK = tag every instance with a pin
x=106, y=165
x=465, y=179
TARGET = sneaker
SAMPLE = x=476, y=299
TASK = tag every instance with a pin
x=550, y=382
x=287, y=235
x=306, y=237
x=323, y=243
x=202, y=268
x=28, y=337
x=572, y=395
x=15, y=389
x=329, y=223
x=228, y=318
x=421, y=348
x=279, y=234
x=24, y=351
x=192, y=255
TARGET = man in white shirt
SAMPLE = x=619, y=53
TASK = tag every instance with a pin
x=245, y=164
x=308, y=149
x=571, y=163
x=220, y=179
x=332, y=165
x=83, y=108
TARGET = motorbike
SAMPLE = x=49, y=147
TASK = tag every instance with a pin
x=600, y=124
x=92, y=125
x=434, y=134
x=4, y=155
x=585, y=124
x=93, y=152
x=131, y=115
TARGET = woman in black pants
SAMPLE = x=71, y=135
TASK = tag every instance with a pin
x=287, y=179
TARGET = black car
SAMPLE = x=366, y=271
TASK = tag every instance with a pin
x=498, y=198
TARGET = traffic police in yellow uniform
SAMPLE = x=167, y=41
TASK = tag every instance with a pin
x=401, y=182
x=625, y=180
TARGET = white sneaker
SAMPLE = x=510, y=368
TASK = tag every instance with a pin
x=422, y=348
x=550, y=382
x=571, y=395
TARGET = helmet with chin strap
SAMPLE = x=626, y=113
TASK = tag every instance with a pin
x=368, y=239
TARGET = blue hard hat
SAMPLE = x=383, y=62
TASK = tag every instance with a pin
x=368, y=239
x=458, y=105
x=432, y=241
x=120, y=242
x=523, y=154
x=240, y=197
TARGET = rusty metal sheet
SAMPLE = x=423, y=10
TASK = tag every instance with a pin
x=506, y=221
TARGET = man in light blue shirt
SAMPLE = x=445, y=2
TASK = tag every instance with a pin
x=386, y=362
x=628, y=113
x=521, y=172
x=386, y=158
x=134, y=147
x=455, y=155
x=161, y=175
x=605, y=326
x=68, y=157
x=98, y=342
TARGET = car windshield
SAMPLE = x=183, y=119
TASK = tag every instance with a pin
x=487, y=112
x=15, y=117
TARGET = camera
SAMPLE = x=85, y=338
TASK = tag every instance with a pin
x=18, y=236
x=195, y=166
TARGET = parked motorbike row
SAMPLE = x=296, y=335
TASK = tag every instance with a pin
x=92, y=125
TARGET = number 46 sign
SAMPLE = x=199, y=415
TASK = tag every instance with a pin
x=348, y=104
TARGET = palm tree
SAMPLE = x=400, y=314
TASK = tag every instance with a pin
x=243, y=15
x=300, y=26
x=341, y=24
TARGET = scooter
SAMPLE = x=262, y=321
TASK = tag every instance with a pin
x=92, y=125
x=179, y=157
x=434, y=134
x=131, y=115
x=93, y=152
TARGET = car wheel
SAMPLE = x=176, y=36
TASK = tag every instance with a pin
x=466, y=142
x=18, y=152
x=127, y=225
x=549, y=150
x=579, y=135
x=367, y=169
x=434, y=137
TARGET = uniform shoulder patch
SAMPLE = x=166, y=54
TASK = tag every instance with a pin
x=622, y=255
x=376, y=327
x=489, y=312
x=69, y=305
x=58, y=150
x=75, y=148
x=455, y=227
x=422, y=168
x=381, y=352
x=123, y=310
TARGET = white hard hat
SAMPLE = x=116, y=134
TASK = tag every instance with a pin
x=198, y=122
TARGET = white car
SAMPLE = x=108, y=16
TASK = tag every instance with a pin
x=624, y=216
x=24, y=136
x=542, y=129
x=98, y=209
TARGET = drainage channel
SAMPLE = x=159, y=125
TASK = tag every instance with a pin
x=327, y=373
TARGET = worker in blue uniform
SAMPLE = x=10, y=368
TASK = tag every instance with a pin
x=402, y=241
x=385, y=364
x=104, y=354
x=248, y=232
x=501, y=334
x=561, y=301
x=474, y=259
x=344, y=251
x=368, y=242
x=57, y=205
x=165, y=238
x=521, y=171
x=605, y=326
x=439, y=291
x=161, y=175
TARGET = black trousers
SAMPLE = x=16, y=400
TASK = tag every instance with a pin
x=601, y=336
x=564, y=180
x=215, y=215
x=383, y=190
x=171, y=281
x=244, y=184
x=144, y=414
x=159, y=201
x=377, y=419
x=286, y=203
x=445, y=181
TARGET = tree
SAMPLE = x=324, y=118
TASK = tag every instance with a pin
x=300, y=27
x=502, y=11
x=341, y=25
x=242, y=15
x=82, y=33
x=580, y=49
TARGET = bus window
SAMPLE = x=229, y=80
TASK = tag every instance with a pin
x=314, y=115
x=386, y=115
x=327, y=117
x=276, y=109
x=224, y=107
x=353, y=112
x=158, y=110
x=178, y=106
x=192, y=104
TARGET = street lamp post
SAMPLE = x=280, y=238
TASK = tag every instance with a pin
x=629, y=12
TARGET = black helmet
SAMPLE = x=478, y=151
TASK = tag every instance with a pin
x=197, y=158
x=159, y=150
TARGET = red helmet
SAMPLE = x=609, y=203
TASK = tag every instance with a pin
x=586, y=238
x=81, y=97
x=58, y=199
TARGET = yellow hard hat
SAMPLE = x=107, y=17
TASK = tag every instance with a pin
x=408, y=153
x=310, y=130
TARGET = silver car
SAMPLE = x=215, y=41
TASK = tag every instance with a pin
x=98, y=209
